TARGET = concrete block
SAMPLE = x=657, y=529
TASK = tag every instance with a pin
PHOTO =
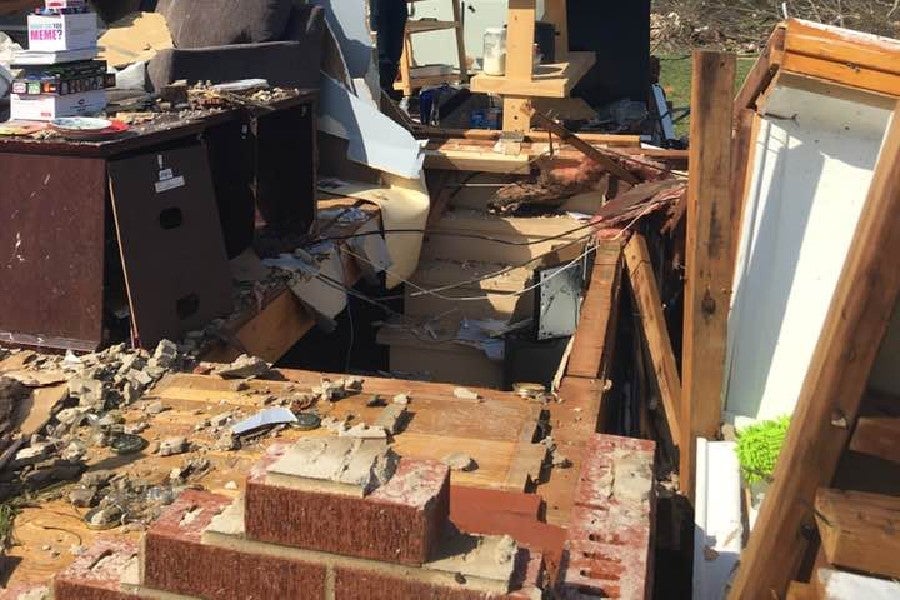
x=177, y=561
x=609, y=536
x=97, y=574
x=400, y=521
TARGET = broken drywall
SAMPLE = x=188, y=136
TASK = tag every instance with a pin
x=404, y=205
x=348, y=22
x=815, y=153
x=374, y=139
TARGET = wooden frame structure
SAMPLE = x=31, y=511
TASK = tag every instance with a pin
x=408, y=80
x=523, y=80
x=825, y=417
x=709, y=258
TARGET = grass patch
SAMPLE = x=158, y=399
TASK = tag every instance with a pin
x=675, y=78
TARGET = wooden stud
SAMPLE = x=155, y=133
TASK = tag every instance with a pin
x=647, y=299
x=800, y=591
x=829, y=399
x=520, y=40
x=860, y=531
x=743, y=151
x=878, y=436
x=762, y=72
x=708, y=254
x=557, y=14
x=460, y=40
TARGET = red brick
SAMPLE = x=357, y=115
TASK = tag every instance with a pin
x=496, y=512
x=97, y=574
x=356, y=584
x=610, y=532
x=401, y=521
x=14, y=593
x=465, y=501
x=176, y=561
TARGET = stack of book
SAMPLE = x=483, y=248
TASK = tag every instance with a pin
x=60, y=76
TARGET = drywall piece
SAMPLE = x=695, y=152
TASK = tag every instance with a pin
x=319, y=286
x=372, y=247
x=391, y=418
x=717, y=516
x=348, y=22
x=334, y=465
x=375, y=140
x=814, y=156
x=404, y=205
x=840, y=585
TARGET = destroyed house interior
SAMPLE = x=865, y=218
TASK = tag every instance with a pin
x=444, y=299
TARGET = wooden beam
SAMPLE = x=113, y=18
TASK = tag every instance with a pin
x=601, y=157
x=860, y=531
x=846, y=74
x=743, y=151
x=649, y=304
x=878, y=436
x=829, y=399
x=800, y=591
x=708, y=254
x=834, y=44
x=762, y=72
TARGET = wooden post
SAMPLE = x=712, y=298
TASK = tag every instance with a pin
x=653, y=321
x=829, y=400
x=708, y=254
x=557, y=14
x=519, y=61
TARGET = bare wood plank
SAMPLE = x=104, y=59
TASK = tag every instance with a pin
x=762, y=72
x=878, y=436
x=845, y=74
x=800, y=591
x=860, y=531
x=708, y=254
x=742, y=157
x=647, y=298
x=590, y=342
x=830, y=397
x=599, y=156
x=840, y=45
x=520, y=40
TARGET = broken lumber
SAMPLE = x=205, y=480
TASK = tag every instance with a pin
x=830, y=397
x=860, y=531
x=646, y=296
x=878, y=436
x=708, y=255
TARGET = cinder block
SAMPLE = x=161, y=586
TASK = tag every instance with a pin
x=612, y=522
x=401, y=521
x=356, y=584
x=176, y=561
x=97, y=574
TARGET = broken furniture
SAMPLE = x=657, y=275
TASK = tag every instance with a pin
x=66, y=283
x=523, y=79
x=414, y=77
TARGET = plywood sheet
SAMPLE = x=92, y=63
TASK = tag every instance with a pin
x=171, y=243
x=495, y=433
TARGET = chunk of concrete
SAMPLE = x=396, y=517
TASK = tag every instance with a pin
x=391, y=418
x=338, y=465
x=173, y=446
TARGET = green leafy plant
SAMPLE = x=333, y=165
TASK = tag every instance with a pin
x=758, y=447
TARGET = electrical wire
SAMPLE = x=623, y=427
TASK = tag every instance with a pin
x=432, y=292
x=461, y=234
x=474, y=280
